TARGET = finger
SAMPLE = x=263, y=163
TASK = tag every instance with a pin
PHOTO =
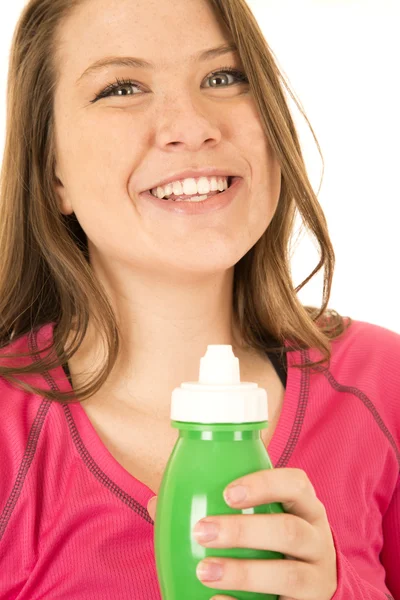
x=281, y=532
x=295, y=579
x=291, y=487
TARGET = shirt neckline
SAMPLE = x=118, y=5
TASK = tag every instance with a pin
x=280, y=447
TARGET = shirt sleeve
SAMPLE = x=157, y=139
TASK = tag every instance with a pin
x=350, y=586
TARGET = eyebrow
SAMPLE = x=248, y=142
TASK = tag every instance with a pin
x=140, y=63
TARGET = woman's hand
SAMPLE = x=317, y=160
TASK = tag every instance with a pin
x=302, y=534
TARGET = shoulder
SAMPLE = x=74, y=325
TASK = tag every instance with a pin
x=368, y=343
x=22, y=415
x=14, y=398
x=365, y=361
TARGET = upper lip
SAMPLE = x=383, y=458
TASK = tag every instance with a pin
x=195, y=173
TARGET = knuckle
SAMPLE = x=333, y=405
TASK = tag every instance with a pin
x=321, y=518
x=302, y=483
x=237, y=533
x=317, y=587
x=265, y=477
x=295, y=579
x=290, y=528
x=322, y=508
x=241, y=576
x=301, y=582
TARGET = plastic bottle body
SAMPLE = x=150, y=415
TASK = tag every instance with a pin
x=205, y=459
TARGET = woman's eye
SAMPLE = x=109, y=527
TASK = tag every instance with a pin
x=237, y=75
x=124, y=87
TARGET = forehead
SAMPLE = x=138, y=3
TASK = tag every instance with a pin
x=159, y=31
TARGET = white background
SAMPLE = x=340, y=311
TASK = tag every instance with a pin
x=342, y=61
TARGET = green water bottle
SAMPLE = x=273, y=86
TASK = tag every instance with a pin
x=219, y=420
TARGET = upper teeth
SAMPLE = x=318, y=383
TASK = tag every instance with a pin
x=191, y=186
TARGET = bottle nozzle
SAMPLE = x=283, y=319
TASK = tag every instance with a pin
x=219, y=366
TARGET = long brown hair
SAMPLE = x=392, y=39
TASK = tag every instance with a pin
x=45, y=271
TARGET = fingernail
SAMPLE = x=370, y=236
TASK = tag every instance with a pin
x=209, y=571
x=205, y=532
x=235, y=494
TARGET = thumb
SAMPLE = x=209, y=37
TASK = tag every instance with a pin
x=152, y=507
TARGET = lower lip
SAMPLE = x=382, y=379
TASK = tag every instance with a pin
x=216, y=202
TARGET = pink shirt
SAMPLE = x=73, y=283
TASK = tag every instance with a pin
x=73, y=521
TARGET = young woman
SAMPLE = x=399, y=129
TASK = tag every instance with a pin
x=151, y=176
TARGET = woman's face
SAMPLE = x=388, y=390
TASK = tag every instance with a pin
x=175, y=116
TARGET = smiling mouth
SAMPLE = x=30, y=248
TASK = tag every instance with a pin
x=195, y=197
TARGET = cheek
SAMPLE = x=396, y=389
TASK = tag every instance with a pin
x=254, y=146
x=97, y=163
x=99, y=144
x=266, y=177
x=266, y=188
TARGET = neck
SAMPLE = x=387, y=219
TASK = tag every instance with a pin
x=165, y=330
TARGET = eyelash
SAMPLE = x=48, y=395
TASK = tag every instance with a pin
x=240, y=76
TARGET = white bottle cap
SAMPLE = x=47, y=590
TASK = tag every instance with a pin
x=219, y=396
